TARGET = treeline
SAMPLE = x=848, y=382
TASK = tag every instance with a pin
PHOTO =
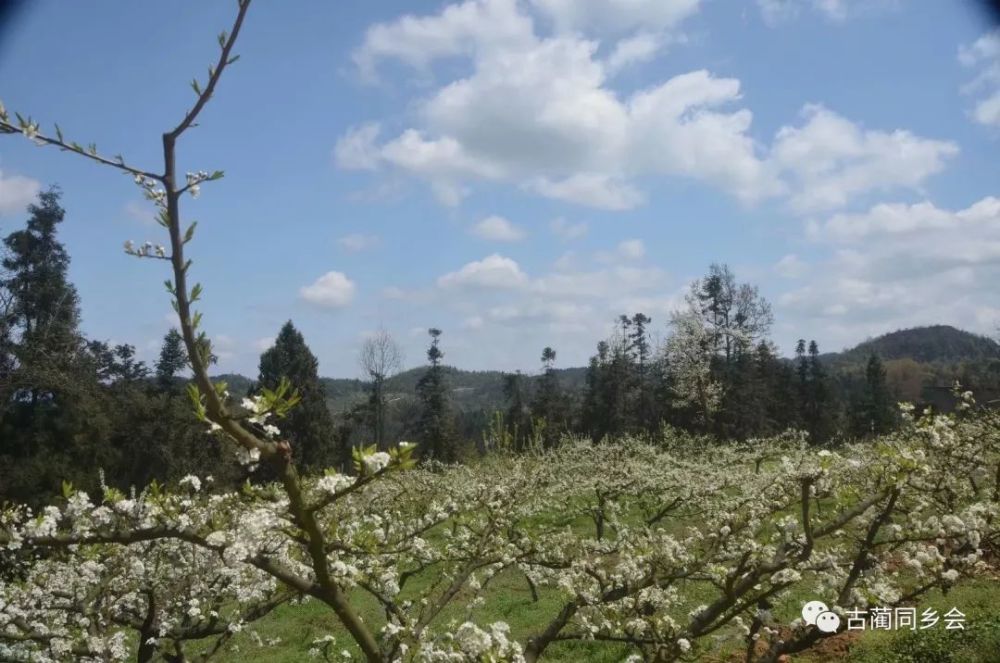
x=718, y=373
x=70, y=406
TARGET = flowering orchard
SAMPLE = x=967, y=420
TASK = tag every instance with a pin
x=661, y=549
x=626, y=535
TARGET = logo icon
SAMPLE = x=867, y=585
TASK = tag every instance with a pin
x=812, y=610
x=816, y=613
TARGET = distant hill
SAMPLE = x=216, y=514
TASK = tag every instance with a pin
x=917, y=359
x=936, y=344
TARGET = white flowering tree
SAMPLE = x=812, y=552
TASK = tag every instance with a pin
x=619, y=536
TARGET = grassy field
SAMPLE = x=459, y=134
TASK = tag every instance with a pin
x=291, y=629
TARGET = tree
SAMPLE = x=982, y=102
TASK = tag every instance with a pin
x=518, y=417
x=874, y=414
x=547, y=406
x=43, y=313
x=736, y=316
x=173, y=357
x=380, y=358
x=435, y=428
x=308, y=426
x=689, y=354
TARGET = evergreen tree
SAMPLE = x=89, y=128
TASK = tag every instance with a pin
x=874, y=414
x=435, y=428
x=43, y=312
x=518, y=416
x=173, y=357
x=309, y=426
x=821, y=406
x=548, y=406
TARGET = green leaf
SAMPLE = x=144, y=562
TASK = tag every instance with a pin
x=189, y=234
x=170, y=287
x=217, y=175
x=222, y=38
x=195, y=86
x=197, y=320
x=59, y=133
x=195, y=292
x=67, y=489
x=232, y=59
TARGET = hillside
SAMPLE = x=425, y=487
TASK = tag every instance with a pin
x=926, y=345
x=917, y=359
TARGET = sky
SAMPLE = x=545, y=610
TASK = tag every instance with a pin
x=518, y=173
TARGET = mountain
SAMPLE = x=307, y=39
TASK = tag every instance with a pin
x=937, y=344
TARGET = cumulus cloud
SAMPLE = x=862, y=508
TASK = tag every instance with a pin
x=983, y=55
x=356, y=242
x=899, y=265
x=498, y=229
x=17, y=192
x=331, y=290
x=494, y=271
x=563, y=132
x=831, y=160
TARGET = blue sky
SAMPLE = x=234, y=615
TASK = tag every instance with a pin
x=518, y=173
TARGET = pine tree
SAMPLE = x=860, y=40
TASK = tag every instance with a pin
x=874, y=415
x=309, y=426
x=44, y=306
x=547, y=406
x=435, y=428
x=518, y=416
x=173, y=357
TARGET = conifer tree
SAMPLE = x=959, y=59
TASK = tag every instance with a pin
x=435, y=428
x=547, y=406
x=173, y=357
x=874, y=414
x=309, y=426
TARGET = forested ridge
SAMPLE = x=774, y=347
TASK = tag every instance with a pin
x=73, y=405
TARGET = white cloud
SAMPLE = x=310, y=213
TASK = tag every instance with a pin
x=590, y=189
x=984, y=54
x=561, y=131
x=17, y=192
x=568, y=231
x=564, y=133
x=616, y=16
x=900, y=265
x=831, y=160
x=459, y=29
x=634, y=50
x=332, y=290
x=791, y=267
x=494, y=271
x=497, y=229
x=356, y=149
x=356, y=242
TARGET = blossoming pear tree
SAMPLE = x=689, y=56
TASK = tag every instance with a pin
x=618, y=537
